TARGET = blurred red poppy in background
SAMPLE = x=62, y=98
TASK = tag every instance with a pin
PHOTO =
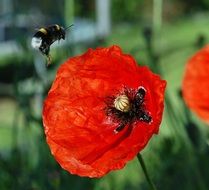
x=101, y=110
x=195, y=86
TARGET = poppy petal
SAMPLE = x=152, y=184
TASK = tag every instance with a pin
x=195, y=85
x=79, y=132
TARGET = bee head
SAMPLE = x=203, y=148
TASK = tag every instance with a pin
x=62, y=33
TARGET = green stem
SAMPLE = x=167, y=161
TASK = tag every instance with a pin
x=141, y=161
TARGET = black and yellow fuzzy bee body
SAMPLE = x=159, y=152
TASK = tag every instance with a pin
x=46, y=36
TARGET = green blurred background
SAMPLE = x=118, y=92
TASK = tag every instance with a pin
x=160, y=34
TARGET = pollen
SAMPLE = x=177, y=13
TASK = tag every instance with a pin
x=122, y=103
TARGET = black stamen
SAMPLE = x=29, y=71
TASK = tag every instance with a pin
x=137, y=110
x=145, y=117
x=120, y=127
x=141, y=93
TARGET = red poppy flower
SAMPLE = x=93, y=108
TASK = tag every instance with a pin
x=101, y=110
x=195, y=86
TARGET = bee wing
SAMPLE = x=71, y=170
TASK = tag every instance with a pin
x=36, y=42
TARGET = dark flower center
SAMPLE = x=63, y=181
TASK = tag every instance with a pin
x=128, y=107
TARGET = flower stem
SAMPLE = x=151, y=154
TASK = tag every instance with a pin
x=141, y=161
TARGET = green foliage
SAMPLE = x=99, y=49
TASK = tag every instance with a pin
x=85, y=9
x=175, y=159
x=193, y=5
x=124, y=11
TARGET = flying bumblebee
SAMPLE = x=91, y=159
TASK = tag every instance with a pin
x=46, y=36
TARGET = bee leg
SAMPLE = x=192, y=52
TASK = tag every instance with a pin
x=49, y=60
x=120, y=127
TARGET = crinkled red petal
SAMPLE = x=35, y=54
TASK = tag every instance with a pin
x=195, y=85
x=80, y=135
